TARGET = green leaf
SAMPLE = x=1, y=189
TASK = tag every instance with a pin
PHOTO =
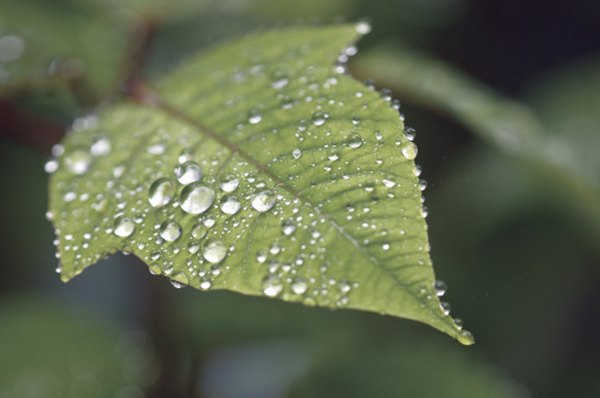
x=260, y=169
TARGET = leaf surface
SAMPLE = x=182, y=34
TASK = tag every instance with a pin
x=258, y=167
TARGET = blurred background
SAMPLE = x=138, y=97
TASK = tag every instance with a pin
x=514, y=220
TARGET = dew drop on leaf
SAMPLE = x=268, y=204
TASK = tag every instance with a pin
x=124, y=227
x=196, y=198
x=214, y=251
x=229, y=183
x=101, y=146
x=263, y=201
x=170, y=231
x=440, y=288
x=355, y=141
x=188, y=172
x=409, y=151
x=161, y=192
x=272, y=286
x=299, y=286
x=230, y=205
x=78, y=161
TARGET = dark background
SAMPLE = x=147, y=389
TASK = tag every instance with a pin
x=523, y=271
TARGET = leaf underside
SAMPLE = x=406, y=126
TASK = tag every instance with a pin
x=257, y=167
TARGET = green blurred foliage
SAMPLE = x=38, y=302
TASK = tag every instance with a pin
x=509, y=239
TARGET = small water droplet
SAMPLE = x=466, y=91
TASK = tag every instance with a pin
x=288, y=227
x=319, y=118
x=198, y=231
x=388, y=183
x=410, y=133
x=78, y=161
x=156, y=149
x=280, y=83
x=170, y=231
x=355, y=141
x=161, y=192
x=263, y=201
x=422, y=185
x=296, y=153
x=188, y=172
x=385, y=246
x=51, y=166
x=214, y=251
x=229, y=183
x=445, y=307
x=230, y=205
x=124, y=227
x=440, y=288
x=299, y=286
x=409, y=151
x=196, y=198
x=272, y=286
x=254, y=117
x=100, y=146
x=363, y=27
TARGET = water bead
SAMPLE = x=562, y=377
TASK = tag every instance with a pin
x=214, y=252
x=230, y=205
x=78, y=161
x=263, y=201
x=161, y=192
x=124, y=227
x=101, y=146
x=272, y=286
x=188, y=172
x=409, y=151
x=196, y=198
x=229, y=183
x=170, y=231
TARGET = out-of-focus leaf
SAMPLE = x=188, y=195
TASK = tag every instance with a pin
x=262, y=170
x=54, y=352
x=403, y=370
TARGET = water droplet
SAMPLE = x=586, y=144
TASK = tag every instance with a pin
x=355, y=141
x=254, y=117
x=299, y=286
x=440, y=288
x=229, y=183
x=170, y=231
x=230, y=205
x=205, y=284
x=363, y=27
x=288, y=227
x=388, y=183
x=410, y=133
x=319, y=118
x=422, y=185
x=101, y=146
x=445, y=307
x=161, y=192
x=459, y=323
x=198, y=231
x=196, y=198
x=78, y=161
x=51, y=166
x=156, y=149
x=409, y=151
x=175, y=284
x=263, y=201
x=272, y=286
x=124, y=227
x=280, y=83
x=214, y=251
x=296, y=153
x=188, y=172
x=385, y=246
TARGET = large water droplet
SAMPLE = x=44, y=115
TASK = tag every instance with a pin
x=198, y=231
x=170, y=231
x=188, y=172
x=51, y=166
x=229, y=183
x=288, y=227
x=78, y=161
x=409, y=151
x=124, y=227
x=263, y=201
x=272, y=286
x=101, y=146
x=196, y=198
x=161, y=192
x=214, y=251
x=319, y=118
x=230, y=205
